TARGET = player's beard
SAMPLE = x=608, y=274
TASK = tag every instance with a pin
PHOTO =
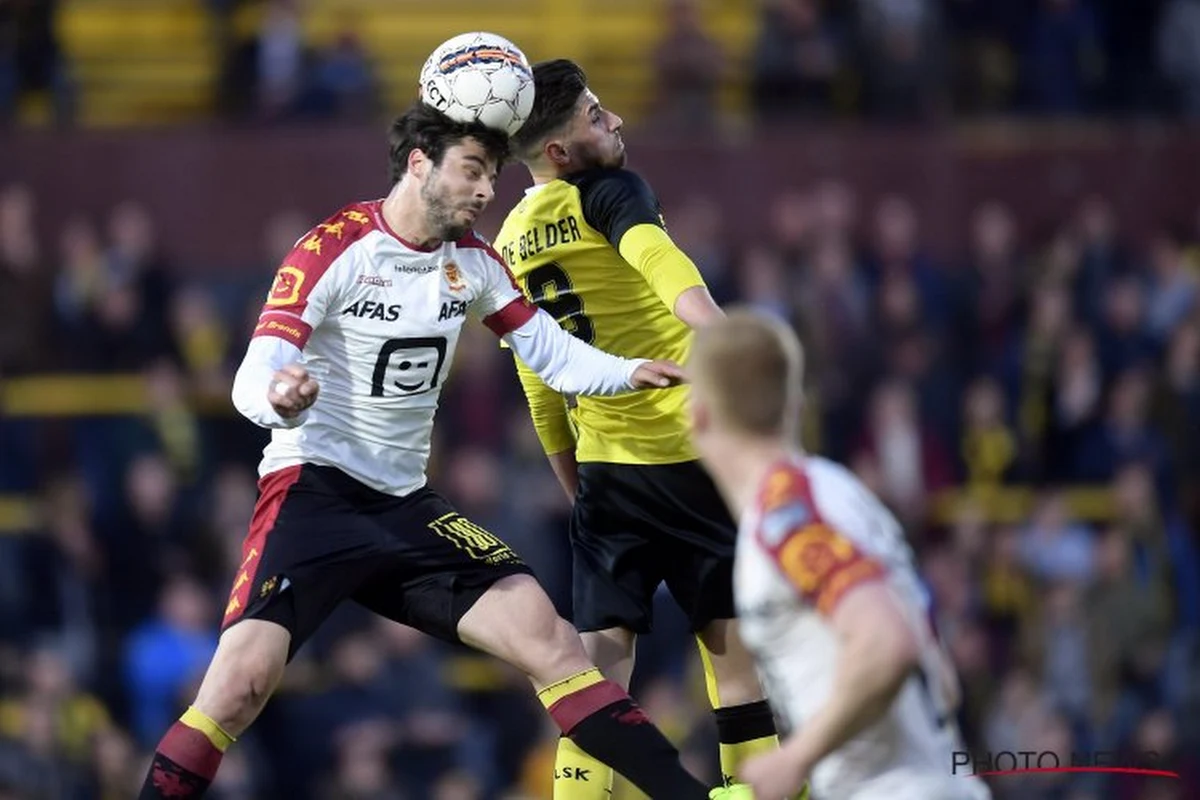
x=592, y=158
x=440, y=212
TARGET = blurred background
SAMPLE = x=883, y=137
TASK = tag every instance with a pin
x=982, y=215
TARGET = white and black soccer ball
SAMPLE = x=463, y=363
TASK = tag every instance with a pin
x=480, y=77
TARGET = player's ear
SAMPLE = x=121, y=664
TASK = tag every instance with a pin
x=557, y=154
x=418, y=163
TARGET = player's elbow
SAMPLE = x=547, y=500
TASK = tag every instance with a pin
x=696, y=308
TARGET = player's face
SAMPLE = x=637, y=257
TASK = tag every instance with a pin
x=594, y=138
x=458, y=190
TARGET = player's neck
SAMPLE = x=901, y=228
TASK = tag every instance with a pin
x=404, y=213
x=740, y=465
x=542, y=174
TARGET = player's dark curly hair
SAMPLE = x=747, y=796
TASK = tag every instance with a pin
x=425, y=128
x=557, y=85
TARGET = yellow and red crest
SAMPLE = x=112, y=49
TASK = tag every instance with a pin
x=454, y=277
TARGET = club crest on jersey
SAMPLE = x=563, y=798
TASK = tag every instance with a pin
x=453, y=277
x=286, y=289
x=778, y=523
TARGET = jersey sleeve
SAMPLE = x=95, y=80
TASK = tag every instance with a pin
x=500, y=303
x=302, y=292
x=548, y=410
x=622, y=207
x=820, y=562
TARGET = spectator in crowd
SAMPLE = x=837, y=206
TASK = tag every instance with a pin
x=902, y=55
x=798, y=59
x=1179, y=54
x=1064, y=60
x=690, y=66
x=344, y=83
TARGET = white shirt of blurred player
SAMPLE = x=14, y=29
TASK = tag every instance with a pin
x=814, y=533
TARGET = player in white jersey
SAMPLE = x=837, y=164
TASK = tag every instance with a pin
x=345, y=366
x=826, y=591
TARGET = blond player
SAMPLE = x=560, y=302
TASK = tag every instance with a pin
x=829, y=601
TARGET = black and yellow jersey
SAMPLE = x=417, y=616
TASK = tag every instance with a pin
x=592, y=250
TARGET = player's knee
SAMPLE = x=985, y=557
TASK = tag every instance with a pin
x=559, y=652
x=240, y=679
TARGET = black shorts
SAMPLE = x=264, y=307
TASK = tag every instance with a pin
x=635, y=526
x=319, y=537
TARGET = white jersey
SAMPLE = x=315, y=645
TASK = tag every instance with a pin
x=814, y=533
x=375, y=320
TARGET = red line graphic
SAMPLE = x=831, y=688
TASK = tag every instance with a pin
x=1160, y=773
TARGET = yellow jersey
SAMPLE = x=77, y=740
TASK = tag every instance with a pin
x=592, y=250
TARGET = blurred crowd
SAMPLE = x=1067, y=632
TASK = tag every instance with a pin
x=925, y=60
x=983, y=396
x=897, y=60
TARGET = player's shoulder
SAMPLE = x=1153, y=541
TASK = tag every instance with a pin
x=333, y=236
x=609, y=180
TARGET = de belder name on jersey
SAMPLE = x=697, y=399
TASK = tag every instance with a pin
x=378, y=320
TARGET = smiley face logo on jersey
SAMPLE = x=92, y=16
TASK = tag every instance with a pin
x=286, y=289
x=409, y=365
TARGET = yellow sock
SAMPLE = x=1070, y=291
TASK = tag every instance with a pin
x=569, y=686
x=742, y=731
x=198, y=720
x=578, y=776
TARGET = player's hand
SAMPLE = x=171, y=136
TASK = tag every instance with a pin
x=776, y=775
x=657, y=375
x=292, y=391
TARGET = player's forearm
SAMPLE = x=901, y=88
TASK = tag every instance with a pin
x=566, y=469
x=264, y=355
x=568, y=365
x=876, y=655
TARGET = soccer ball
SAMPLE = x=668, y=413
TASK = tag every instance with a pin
x=479, y=77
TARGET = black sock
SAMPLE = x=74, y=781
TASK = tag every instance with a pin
x=743, y=732
x=622, y=736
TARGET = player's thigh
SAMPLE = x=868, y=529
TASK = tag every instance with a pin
x=244, y=671
x=695, y=540
x=515, y=621
x=309, y=547
x=615, y=570
x=437, y=565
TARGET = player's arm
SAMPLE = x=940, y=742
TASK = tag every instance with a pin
x=877, y=652
x=272, y=388
x=564, y=363
x=622, y=207
x=548, y=410
x=571, y=366
x=877, y=645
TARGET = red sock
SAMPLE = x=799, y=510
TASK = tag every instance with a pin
x=184, y=765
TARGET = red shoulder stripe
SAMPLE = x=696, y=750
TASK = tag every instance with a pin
x=304, y=266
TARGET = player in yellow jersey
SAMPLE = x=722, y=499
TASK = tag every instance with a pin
x=588, y=244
